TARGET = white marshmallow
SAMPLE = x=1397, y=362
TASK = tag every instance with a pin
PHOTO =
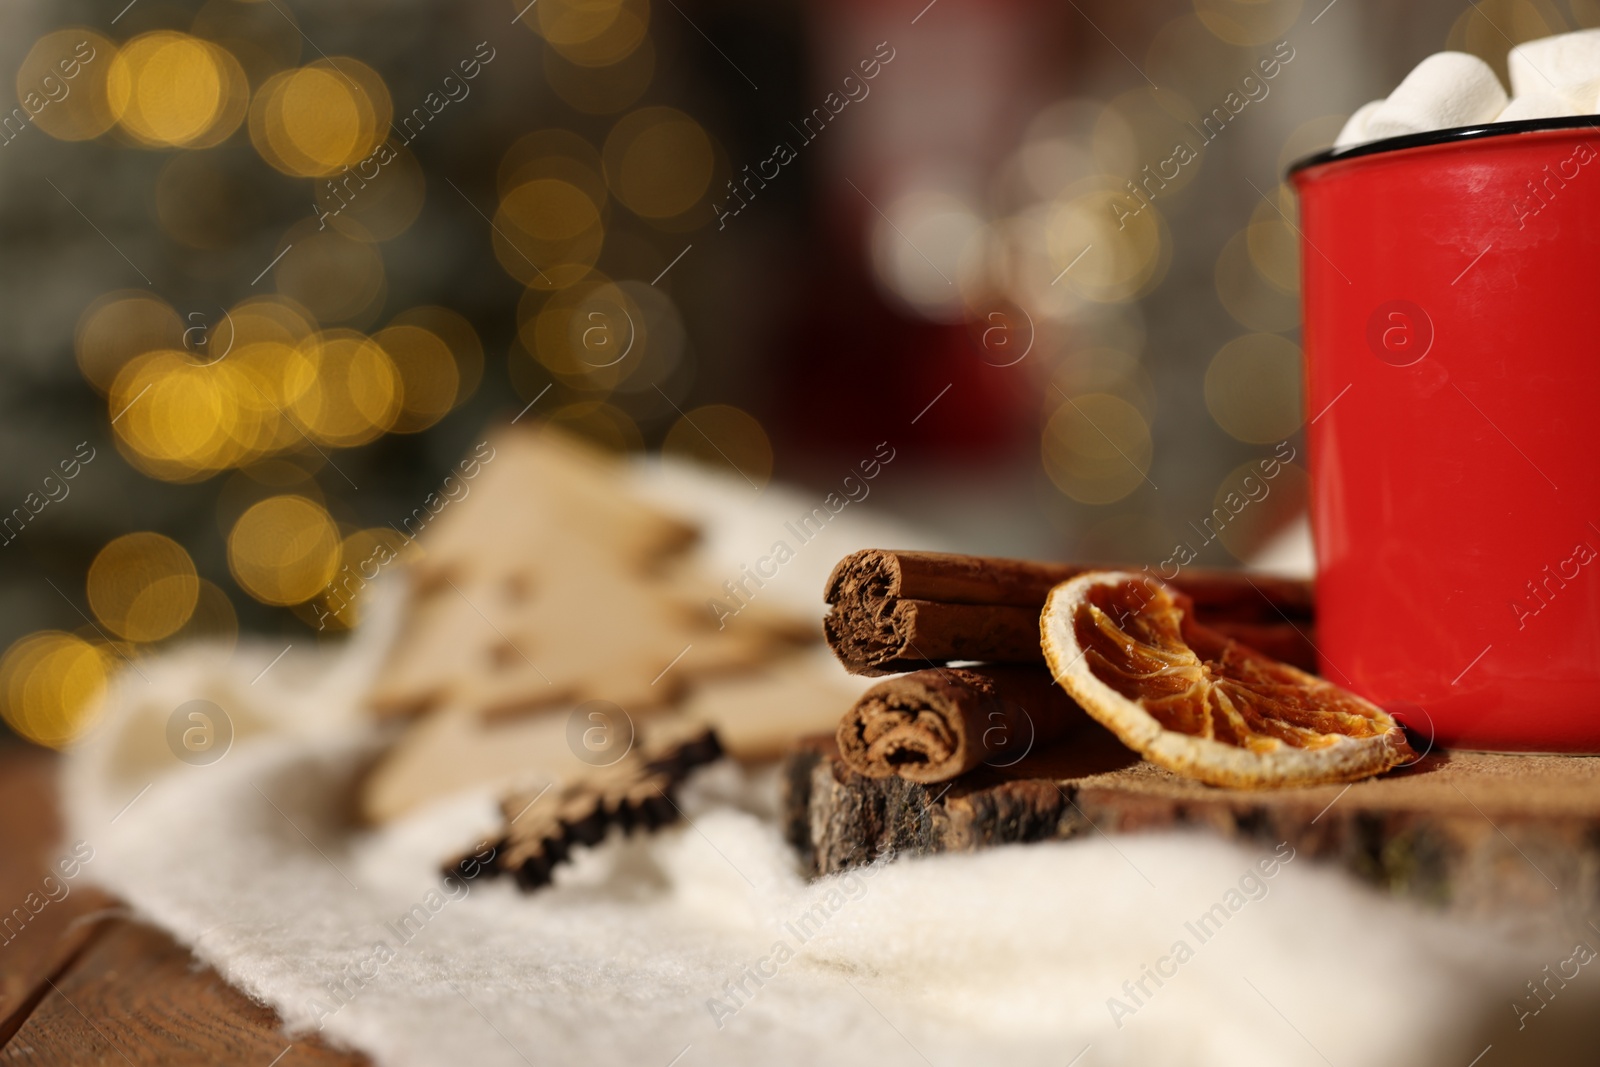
x=1445, y=90
x=1537, y=106
x=1568, y=65
x=1355, y=127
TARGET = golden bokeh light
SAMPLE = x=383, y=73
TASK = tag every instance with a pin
x=1097, y=448
x=1108, y=246
x=315, y=120
x=214, y=620
x=1252, y=388
x=658, y=162
x=601, y=90
x=1157, y=145
x=119, y=326
x=265, y=320
x=1274, y=247
x=1101, y=369
x=168, y=88
x=363, y=557
x=1057, y=147
x=1248, y=22
x=553, y=153
x=143, y=586
x=453, y=328
x=174, y=418
x=283, y=550
x=547, y=233
x=257, y=375
x=600, y=423
x=427, y=371
x=1190, y=60
x=53, y=685
x=1489, y=29
x=1113, y=144
x=271, y=476
x=342, y=388
x=235, y=103
x=723, y=438
x=1253, y=302
x=594, y=33
x=183, y=415
x=62, y=84
x=337, y=275
x=591, y=335
x=659, y=339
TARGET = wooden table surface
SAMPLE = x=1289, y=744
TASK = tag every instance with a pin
x=82, y=983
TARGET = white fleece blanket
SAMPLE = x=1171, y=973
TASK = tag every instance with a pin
x=704, y=945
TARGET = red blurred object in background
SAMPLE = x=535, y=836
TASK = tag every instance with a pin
x=859, y=363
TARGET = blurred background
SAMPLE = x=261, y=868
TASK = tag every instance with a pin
x=271, y=267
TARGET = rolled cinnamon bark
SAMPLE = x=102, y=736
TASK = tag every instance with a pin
x=933, y=725
x=899, y=611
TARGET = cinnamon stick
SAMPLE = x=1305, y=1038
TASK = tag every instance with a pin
x=934, y=725
x=899, y=611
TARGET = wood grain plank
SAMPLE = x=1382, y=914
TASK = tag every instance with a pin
x=136, y=997
x=79, y=984
x=43, y=924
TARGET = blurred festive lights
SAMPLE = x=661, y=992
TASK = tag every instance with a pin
x=1489, y=28
x=119, y=326
x=931, y=250
x=601, y=423
x=658, y=162
x=214, y=619
x=62, y=84
x=1097, y=448
x=547, y=233
x=724, y=438
x=593, y=33
x=362, y=557
x=1252, y=388
x=174, y=418
x=169, y=89
x=591, y=335
x=1248, y=22
x=428, y=378
x=284, y=550
x=601, y=90
x=342, y=388
x=53, y=685
x=315, y=120
x=458, y=335
x=1253, y=301
x=143, y=586
x=1274, y=248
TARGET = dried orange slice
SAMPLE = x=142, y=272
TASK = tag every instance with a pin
x=1199, y=704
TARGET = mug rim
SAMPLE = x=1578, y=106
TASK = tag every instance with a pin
x=1446, y=136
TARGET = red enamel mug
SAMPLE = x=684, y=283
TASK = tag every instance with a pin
x=1450, y=282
